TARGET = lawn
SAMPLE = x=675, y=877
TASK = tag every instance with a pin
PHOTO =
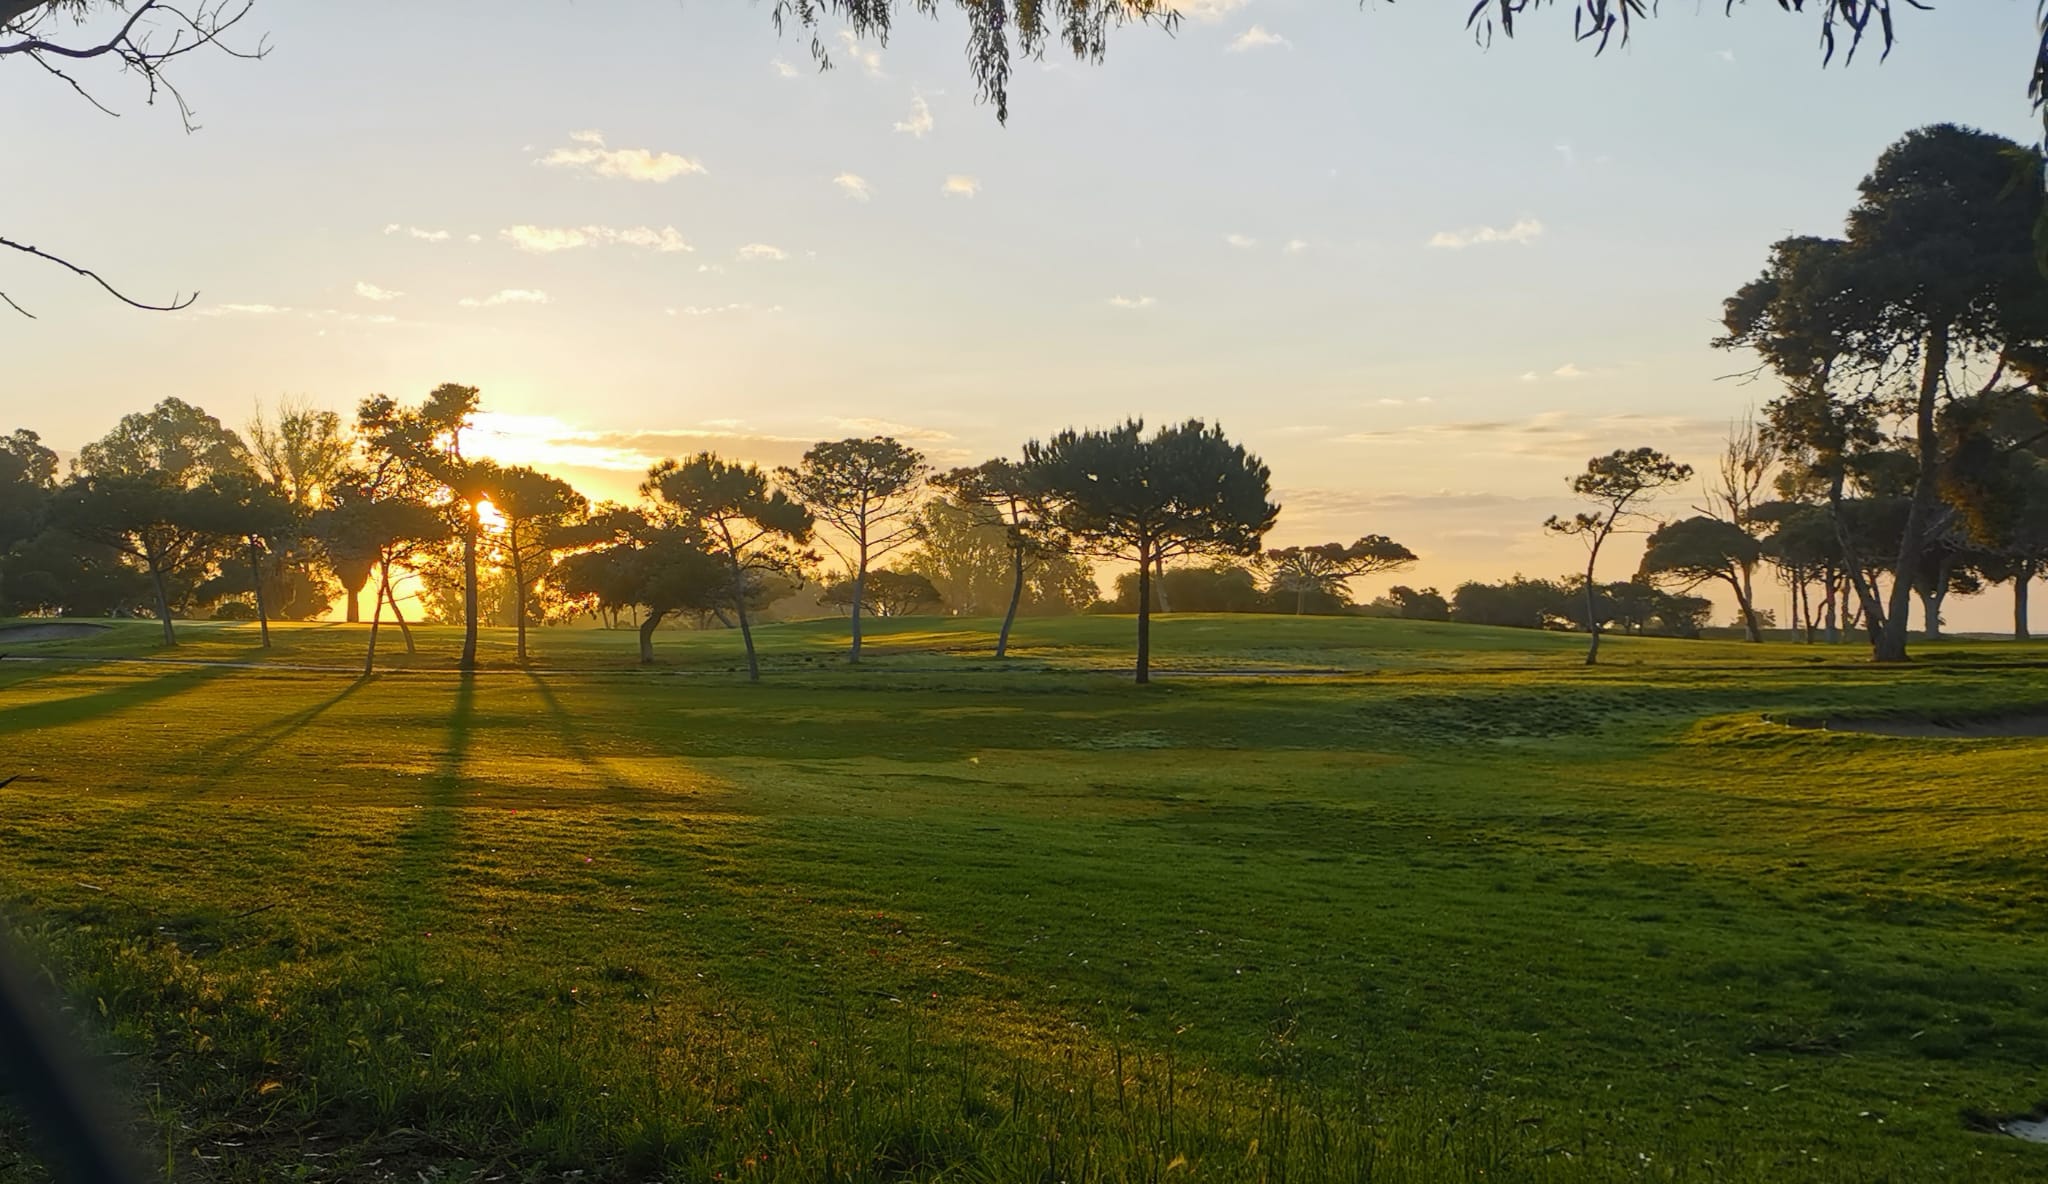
x=1451, y=907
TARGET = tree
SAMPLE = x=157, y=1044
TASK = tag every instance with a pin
x=1935, y=279
x=1617, y=485
x=890, y=593
x=1698, y=549
x=997, y=486
x=1996, y=477
x=1518, y=603
x=28, y=476
x=536, y=509
x=423, y=449
x=1328, y=568
x=1804, y=546
x=632, y=560
x=1184, y=491
x=1426, y=604
x=138, y=490
x=1218, y=587
x=753, y=528
x=253, y=516
x=866, y=492
x=301, y=451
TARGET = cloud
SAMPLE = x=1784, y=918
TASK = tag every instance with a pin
x=1524, y=231
x=883, y=427
x=960, y=186
x=1561, y=434
x=432, y=236
x=506, y=296
x=763, y=253
x=248, y=310
x=632, y=164
x=1132, y=301
x=784, y=69
x=1257, y=37
x=370, y=291
x=1565, y=150
x=853, y=185
x=1240, y=241
x=1529, y=376
x=1205, y=12
x=543, y=240
x=712, y=310
x=1295, y=246
x=870, y=59
x=1726, y=55
x=919, y=121
x=1568, y=370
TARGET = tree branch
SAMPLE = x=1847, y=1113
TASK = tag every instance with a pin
x=94, y=276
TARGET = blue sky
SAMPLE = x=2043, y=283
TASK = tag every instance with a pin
x=1425, y=280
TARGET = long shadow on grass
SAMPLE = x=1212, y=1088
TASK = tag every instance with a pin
x=572, y=739
x=231, y=752
x=56, y=713
x=427, y=843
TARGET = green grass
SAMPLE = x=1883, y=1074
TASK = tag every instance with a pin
x=1463, y=910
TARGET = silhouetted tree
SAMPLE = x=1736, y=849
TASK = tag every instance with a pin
x=425, y=443
x=888, y=593
x=753, y=528
x=248, y=514
x=1184, y=491
x=865, y=491
x=1426, y=604
x=537, y=509
x=997, y=485
x=632, y=560
x=1329, y=568
x=1617, y=485
x=1694, y=550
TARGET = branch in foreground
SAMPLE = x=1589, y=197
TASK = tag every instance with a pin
x=175, y=305
x=136, y=48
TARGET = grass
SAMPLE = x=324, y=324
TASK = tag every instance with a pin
x=1460, y=910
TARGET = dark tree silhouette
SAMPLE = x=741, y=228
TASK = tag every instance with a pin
x=1693, y=551
x=1329, y=568
x=1617, y=485
x=866, y=492
x=1118, y=494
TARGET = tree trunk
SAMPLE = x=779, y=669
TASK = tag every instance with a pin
x=376, y=619
x=1891, y=645
x=1831, y=629
x=1592, y=611
x=1300, y=599
x=647, y=629
x=1144, y=615
x=1930, y=612
x=404, y=630
x=739, y=600
x=1159, y=570
x=163, y=603
x=1744, y=606
x=518, y=585
x=860, y=586
x=256, y=582
x=469, y=532
x=2020, y=580
x=1016, y=598
x=355, y=605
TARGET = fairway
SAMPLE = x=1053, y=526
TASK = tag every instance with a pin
x=1335, y=898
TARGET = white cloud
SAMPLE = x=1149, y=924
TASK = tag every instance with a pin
x=506, y=296
x=253, y=310
x=919, y=121
x=1555, y=433
x=475, y=238
x=1205, y=12
x=1529, y=376
x=432, y=236
x=853, y=185
x=544, y=240
x=1568, y=370
x=1524, y=231
x=1132, y=301
x=783, y=69
x=870, y=59
x=1726, y=55
x=960, y=186
x=887, y=427
x=1295, y=246
x=632, y=164
x=370, y=291
x=712, y=310
x=1257, y=37
x=1240, y=241
x=763, y=252
x=711, y=269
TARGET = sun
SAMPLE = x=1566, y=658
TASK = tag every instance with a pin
x=489, y=516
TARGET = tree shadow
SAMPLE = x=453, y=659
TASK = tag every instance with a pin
x=572, y=739
x=426, y=844
x=57, y=713
x=229, y=753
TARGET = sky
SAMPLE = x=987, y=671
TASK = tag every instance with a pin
x=1425, y=280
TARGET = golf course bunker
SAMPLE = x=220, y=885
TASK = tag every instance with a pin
x=2033, y=1130
x=2030, y=723
x=55, y=631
